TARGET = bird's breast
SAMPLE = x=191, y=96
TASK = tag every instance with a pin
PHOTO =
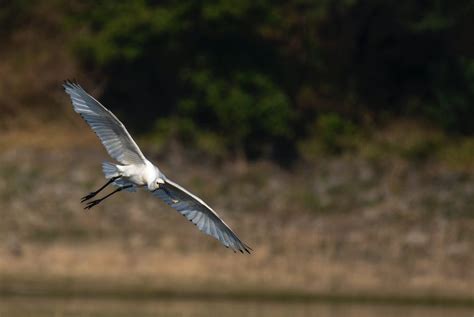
x=137, y=174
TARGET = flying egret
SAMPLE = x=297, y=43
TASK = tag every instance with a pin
x=136, y=171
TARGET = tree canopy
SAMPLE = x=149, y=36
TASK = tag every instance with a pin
x=258, y=75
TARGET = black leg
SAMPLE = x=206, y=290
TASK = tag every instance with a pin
x=94, y=193
x=97, y=201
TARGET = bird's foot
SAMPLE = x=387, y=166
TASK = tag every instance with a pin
x=92, y=203
x=88, y=196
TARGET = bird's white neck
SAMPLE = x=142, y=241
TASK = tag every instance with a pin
x=152, y=176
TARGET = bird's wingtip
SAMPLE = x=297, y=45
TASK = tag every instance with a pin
x=243, y=248
x=70, y=83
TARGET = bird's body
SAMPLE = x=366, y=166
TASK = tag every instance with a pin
x=135, y=170
x=146, y=175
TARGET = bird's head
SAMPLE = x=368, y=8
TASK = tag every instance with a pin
x=155, y=184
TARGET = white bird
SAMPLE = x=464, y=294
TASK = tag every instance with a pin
x=136, y=171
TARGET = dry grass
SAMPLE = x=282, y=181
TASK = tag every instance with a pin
x=344, y=225
x=111, y=267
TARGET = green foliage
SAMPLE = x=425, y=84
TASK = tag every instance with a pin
x=419, y=147
x=459, y=154
x=333, y=131
x=247, y=108
x=121, y=31
x=407, y=139
x=258, y=74
x=331, y=134
x=453, y=107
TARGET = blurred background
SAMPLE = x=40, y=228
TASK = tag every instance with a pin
x=336, y=137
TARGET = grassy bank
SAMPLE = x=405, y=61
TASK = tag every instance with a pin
x=346, y=227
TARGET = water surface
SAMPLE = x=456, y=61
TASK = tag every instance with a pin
x=39, y=307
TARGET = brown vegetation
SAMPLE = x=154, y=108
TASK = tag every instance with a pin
x=341, y=225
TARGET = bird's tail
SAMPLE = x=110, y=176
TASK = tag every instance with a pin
x=110, y=170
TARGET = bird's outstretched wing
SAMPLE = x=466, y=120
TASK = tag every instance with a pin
x=111, y=132
x=196, y=211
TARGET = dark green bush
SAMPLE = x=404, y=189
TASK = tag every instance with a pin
x=257, y=74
